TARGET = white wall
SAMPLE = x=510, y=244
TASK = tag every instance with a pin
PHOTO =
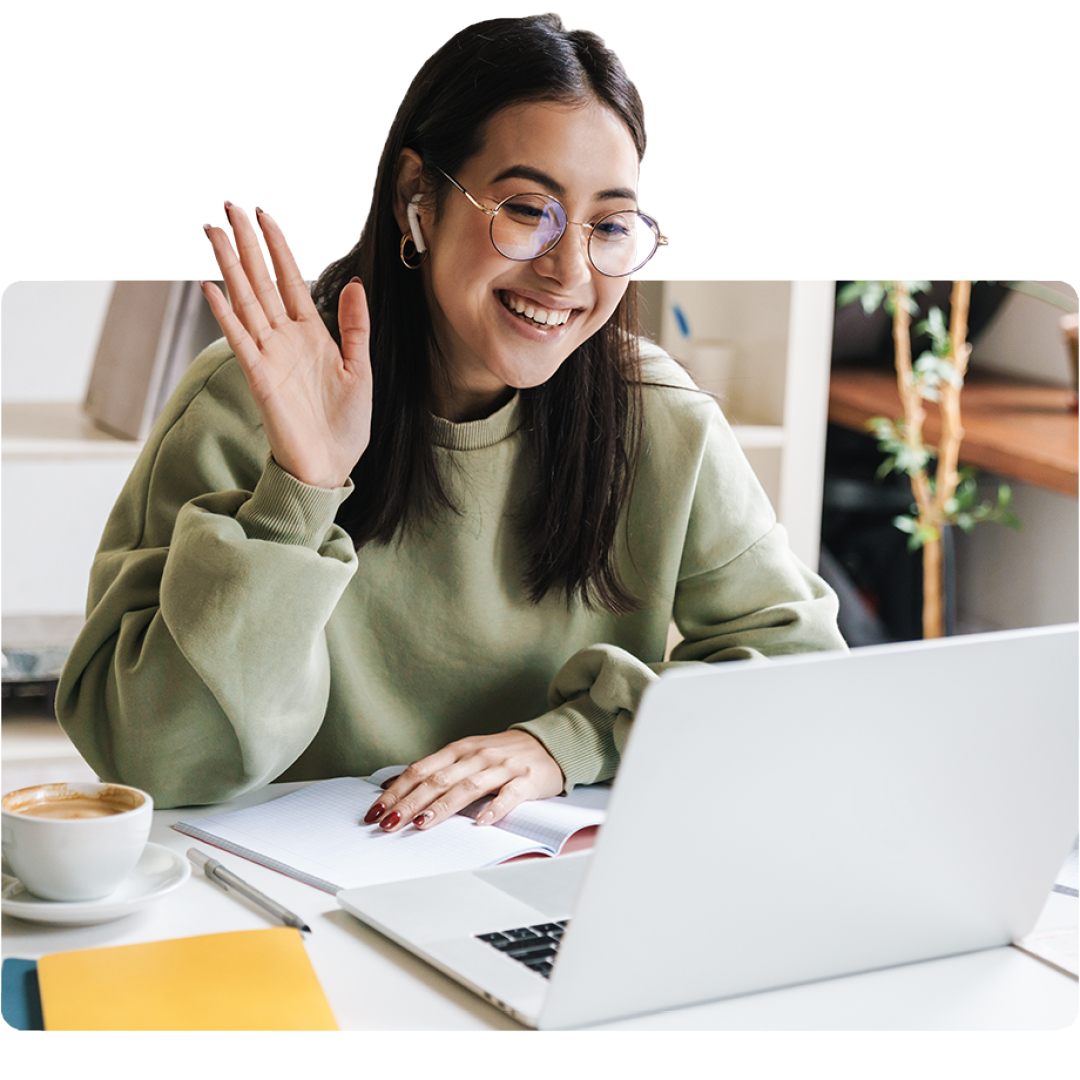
x=54, y=502
x=54, y=512
x=48, y=336
x=1007, y=579
x=1024, y=338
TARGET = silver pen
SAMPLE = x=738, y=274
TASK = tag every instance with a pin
x=227, y=879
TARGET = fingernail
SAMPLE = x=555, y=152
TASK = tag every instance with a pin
x=206, y=229
x=228, y=207
x=390, y=821
x=422, y=819
x=355, y=281
x=374, y=814
x=485, y=818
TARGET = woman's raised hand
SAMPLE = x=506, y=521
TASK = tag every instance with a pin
x=314, y=398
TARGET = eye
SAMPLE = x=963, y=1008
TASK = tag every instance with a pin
x=615, y=227
x=530, y=210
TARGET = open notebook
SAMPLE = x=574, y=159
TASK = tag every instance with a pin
x=317, y=835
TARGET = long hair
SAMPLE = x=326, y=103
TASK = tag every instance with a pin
x=584, y=422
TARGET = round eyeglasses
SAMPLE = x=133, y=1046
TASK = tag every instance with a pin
x=524, y=227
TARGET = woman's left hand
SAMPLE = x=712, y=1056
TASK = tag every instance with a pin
x=511, y=764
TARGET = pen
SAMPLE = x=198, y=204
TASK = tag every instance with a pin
x=227, y=879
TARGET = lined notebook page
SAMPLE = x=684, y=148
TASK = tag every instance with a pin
x=317, y=834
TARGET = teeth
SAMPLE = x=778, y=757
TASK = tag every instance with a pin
x=532, y=311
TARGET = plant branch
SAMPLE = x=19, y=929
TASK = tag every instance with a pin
x=952, y=431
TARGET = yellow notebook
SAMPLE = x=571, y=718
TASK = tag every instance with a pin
x=249, y=980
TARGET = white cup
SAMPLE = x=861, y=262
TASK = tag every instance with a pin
x=74, y=841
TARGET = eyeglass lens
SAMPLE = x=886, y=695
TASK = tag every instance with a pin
x=528, y=226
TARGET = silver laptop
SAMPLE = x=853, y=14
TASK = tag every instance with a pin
x=778, y=822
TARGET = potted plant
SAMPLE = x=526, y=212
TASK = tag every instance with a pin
x=944, y=493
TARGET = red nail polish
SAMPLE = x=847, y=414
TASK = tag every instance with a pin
x=390, y=821
x=387, y=782
x=420, y=819
x=374, y=814
x=228, y=207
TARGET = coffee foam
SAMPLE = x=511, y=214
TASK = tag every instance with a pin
x=61, y=802
x=70, y=808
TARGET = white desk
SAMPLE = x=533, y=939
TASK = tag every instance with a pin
x=373, y=984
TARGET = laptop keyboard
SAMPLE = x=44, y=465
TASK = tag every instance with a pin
x=533, y=946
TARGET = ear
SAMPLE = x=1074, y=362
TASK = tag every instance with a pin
x=408, y=183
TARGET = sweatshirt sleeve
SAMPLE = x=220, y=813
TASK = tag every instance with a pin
x=202, y=669
x=738, y=592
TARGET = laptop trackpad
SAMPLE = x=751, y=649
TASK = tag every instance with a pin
x=551, y=885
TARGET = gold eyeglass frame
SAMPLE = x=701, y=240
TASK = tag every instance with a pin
x=661, y=239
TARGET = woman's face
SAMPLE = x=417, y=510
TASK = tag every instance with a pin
x=585, y=157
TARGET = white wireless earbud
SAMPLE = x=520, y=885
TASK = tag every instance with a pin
x=414, y=224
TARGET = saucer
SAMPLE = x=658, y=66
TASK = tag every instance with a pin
x=158, y=872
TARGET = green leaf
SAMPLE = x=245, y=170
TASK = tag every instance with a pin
x=909, y=305
x=851, y=292
x=872, y=296
x=930, y=371
x=885, y=468
x=938, y=330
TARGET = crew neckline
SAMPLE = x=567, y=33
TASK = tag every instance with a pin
x=479, y=434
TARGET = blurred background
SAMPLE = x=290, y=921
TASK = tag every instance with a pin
x=785, y=159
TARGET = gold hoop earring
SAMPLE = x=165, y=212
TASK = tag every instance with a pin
x=414, y=260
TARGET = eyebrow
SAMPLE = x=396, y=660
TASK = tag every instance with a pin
x=538, y=176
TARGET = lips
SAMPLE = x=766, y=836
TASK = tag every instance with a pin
x=535, y=313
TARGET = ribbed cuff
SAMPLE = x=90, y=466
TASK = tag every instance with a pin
x=580, y=737
x=287, y=511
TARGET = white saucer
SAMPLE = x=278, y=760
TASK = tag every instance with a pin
x=159, y=872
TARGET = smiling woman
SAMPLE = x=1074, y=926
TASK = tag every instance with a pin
x=443, y=507
x=483, y=302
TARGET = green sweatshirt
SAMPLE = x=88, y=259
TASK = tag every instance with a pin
x=235, y=637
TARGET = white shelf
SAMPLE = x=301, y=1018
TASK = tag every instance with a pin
x=772, y=341
x=57, y=430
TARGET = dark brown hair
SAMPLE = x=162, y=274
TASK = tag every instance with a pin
x=584, y=422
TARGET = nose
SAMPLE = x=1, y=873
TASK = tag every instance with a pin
x=568, y=261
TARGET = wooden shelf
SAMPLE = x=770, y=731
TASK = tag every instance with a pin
x=1016, y=429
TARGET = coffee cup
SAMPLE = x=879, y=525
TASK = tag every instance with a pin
x=76, y=841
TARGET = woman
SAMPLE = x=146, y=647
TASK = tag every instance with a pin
x=443, y=508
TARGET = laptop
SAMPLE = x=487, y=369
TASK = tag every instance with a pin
x=779, y=822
